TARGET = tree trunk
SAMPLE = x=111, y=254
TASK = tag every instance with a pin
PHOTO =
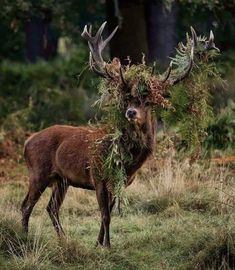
x=161, y=31
x=131, y=38
x=41, y=40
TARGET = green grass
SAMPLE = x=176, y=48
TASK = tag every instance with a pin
x=179, y=217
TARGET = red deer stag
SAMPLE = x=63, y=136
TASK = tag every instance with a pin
x=61, y=156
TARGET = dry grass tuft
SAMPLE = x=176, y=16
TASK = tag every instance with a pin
x=175, y=216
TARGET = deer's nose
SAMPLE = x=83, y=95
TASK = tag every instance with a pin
x=131, y=113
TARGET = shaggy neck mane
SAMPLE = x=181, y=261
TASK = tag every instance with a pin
x=139, y=143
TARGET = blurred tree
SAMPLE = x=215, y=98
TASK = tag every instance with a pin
x=167, y=21
x=34, y=19
x=148, y=26
x=131, y=38
x=144, y=27
x=161, y=28
x=34, y=26
x=153, y=27
x=206, y=15
x=41, y=38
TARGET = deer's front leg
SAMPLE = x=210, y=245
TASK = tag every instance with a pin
x=100, y=239
x=103, y=201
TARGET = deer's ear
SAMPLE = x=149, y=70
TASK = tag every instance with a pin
x=116, y=62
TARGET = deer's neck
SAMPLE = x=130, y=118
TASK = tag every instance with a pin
x=139, y=143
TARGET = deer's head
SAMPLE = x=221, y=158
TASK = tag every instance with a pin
x=136, y=89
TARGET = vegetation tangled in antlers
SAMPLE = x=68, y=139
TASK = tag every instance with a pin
x=190, y=100
x=141, y=81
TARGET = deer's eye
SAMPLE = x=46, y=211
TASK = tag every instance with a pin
x=147, y=103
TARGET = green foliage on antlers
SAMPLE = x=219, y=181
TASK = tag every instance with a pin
x=187, y=108
x=191, y=99
x=192, y=110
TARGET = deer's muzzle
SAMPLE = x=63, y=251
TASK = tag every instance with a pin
x=131, y=114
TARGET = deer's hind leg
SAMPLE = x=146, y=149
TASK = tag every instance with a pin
x=37, y=185
x=60, y=188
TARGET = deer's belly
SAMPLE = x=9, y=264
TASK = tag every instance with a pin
x=72, y=162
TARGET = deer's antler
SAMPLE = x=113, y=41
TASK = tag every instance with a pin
x=202, y=44
x=96, y=45
x=174, y=79
x=211, y=44
x=188, y=68
x=195, y=46
x=168, y=73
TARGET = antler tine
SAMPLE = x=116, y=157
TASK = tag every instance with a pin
x=184, y=59
x=190, y=55
x=90, y=30
x=153, y=68
x=106, y=41
x=93, y=67
x=96, y=45
x=194, y=35
x=168, y=73
x=122, y=76
x=211, y=36
x=182, y=77
x=98, y=72
x=99, y=32
x=192, y=52
x=211, y=43
x=86, y=34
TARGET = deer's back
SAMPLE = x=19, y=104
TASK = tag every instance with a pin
x=65, y=151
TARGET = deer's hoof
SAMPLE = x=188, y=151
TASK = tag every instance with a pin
x=107, y=245
x=98, y=243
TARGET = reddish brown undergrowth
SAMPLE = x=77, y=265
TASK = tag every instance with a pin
x=11, y=155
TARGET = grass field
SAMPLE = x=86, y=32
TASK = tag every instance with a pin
x=174, y=216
